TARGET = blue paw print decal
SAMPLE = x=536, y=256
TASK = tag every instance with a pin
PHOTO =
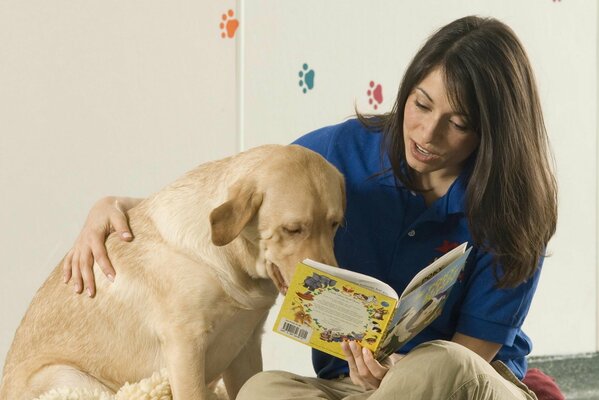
x=306, y=81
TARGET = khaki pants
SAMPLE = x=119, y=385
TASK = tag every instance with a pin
x=433, y=370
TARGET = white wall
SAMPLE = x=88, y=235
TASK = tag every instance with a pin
x=97, y=98
x=118, y=97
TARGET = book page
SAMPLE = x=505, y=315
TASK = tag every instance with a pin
x=359, y=279
x=434, y=268
x=421, y=306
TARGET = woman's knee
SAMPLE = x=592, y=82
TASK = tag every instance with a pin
x=438, y=370
x=451, y=352
x=266, y=380
x=446, y=357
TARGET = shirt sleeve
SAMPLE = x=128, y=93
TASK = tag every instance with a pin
x=492, y=313
x=318, y=140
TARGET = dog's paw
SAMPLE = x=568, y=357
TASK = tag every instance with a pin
x=218, y=391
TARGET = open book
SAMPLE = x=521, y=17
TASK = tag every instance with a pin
x=325, y=305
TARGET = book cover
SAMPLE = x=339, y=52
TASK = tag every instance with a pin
x=325, y=305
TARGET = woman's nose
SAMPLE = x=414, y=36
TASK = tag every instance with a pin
x=430, y=129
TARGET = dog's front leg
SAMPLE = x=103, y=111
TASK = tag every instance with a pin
x=185, y=360
x=247, y=363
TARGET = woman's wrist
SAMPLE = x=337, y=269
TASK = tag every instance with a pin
x=127, y=203
x=124, y=204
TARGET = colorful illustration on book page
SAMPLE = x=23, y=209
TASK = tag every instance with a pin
x=412, y=319
x=419, y=308
x=324, y=311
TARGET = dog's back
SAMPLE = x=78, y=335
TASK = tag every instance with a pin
x=63, y=334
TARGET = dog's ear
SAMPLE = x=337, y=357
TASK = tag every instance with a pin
x=228, y=219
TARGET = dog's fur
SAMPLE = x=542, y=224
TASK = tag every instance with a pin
x=194, y=287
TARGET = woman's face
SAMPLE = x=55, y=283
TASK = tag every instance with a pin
x=437, y=139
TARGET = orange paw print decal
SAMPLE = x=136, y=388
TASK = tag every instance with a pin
x=229, y=25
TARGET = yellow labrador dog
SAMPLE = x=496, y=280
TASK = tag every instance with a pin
x=193, y=289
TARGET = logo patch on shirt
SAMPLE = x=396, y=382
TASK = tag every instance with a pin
x=446, y=246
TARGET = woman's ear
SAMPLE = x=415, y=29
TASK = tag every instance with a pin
x=228, y=220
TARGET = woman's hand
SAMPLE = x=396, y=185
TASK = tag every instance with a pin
x=108, y=215
x=364, y=370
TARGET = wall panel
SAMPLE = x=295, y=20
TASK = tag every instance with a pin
x=347, y=44
x=100, y=98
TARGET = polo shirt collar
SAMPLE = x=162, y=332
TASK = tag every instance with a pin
x=456, y=195
x=451, y=203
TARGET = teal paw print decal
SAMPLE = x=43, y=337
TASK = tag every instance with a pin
x=306, y=81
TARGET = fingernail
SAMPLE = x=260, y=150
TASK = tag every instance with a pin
x=64, y=279
x=76, y=288
x=89, y=292
x=364, y=351
x=110, y=277
x=126, y=235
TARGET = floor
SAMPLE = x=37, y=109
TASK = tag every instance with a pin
x=577, y=376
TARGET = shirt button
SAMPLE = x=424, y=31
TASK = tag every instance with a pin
x=412, y=233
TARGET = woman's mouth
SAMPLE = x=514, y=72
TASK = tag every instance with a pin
x=422, y=154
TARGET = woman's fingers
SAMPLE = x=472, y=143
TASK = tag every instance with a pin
x=76, y=273
x=376, y=369
x=364, y=369
x=98, y=249
x=106, y=216
x=67, y=267
x=86, y=263
x=366, y=376
x=120, y=222
x=353, y=369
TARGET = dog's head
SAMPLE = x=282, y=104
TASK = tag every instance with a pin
x=289, y=207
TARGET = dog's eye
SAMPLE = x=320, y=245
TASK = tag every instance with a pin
x=292, y=230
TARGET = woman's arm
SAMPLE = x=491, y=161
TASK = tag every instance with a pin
x=368, y=373
x=485, y=349
x=108, y=215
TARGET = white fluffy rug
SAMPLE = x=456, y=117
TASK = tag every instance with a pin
x=155, y=387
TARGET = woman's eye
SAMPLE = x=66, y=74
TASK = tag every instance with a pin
x=420, y=105
x=292, y=231
x=335, y=225
x=459, y=126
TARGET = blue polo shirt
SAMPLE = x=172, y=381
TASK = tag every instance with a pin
x=391, y=234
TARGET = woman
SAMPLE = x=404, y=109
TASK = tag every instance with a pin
x=461, y=157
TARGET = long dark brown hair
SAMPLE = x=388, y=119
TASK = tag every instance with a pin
x=511, y=197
